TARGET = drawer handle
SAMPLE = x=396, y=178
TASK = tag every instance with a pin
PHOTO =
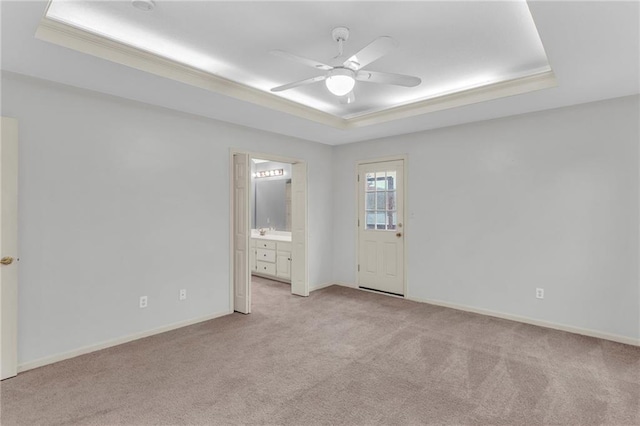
x=264, y=255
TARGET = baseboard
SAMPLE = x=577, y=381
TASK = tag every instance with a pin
x=526, y=320
x=271, y=277
x=321, y=286
x=345, y=284
x=532, y=321
x=114, y=342
x=125, y=339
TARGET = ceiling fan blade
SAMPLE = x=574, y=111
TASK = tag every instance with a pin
x=349, y=98
x=309, y=62
x=374, y=50
x=299, y=83
x=388, y=78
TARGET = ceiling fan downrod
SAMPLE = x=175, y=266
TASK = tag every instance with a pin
x=340, y=34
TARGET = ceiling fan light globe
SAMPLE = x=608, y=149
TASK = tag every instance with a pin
x=340, y=81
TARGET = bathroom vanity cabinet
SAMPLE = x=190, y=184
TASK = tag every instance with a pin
x=271, y=258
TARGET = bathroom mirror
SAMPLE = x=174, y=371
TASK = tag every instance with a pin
x=271, y=195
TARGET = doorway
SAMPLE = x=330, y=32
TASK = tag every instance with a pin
x=257, y=245
x=381, y=229
x=270, y=243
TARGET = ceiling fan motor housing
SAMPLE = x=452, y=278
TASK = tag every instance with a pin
x=341, y=71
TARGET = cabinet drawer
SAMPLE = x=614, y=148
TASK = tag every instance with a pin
x=266, y=255
x=283, y=246
x=271, y=245
x=266, y=268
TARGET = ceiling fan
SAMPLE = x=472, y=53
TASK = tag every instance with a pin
x=340, y=77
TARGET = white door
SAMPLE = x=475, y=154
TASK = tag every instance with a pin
x=241, y=274
x=380, y=226
x=299, y=275
x=9, y=248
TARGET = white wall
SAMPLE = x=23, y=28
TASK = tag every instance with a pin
x=120, y=199
x=498, y=208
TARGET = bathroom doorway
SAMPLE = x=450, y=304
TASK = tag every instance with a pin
x=268, y=225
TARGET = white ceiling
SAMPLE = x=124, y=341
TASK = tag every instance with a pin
x=593, y=48
x=451, y=46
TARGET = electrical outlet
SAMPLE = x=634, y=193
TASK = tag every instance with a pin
x=183, y=294
x=143, y=301
x=540, y=293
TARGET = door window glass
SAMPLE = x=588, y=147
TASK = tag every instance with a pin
x=380, y=201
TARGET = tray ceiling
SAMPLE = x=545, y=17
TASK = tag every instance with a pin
x=595, y=57
x=462, y=51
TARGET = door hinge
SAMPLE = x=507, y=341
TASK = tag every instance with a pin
x=358, y=223
x=358, y=178
x=358, y=268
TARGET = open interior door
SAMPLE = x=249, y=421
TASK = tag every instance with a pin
x=8, y=248
x=299, y=273
x=241, y=273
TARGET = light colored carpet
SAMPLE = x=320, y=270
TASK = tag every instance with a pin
x=341, y=356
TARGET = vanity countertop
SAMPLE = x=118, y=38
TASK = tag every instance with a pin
x=271, y=235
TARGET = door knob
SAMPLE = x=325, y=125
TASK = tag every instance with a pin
x=7, y=260
x=399, y=234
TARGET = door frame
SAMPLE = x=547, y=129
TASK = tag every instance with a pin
x=270, y=157
x=404, y=159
